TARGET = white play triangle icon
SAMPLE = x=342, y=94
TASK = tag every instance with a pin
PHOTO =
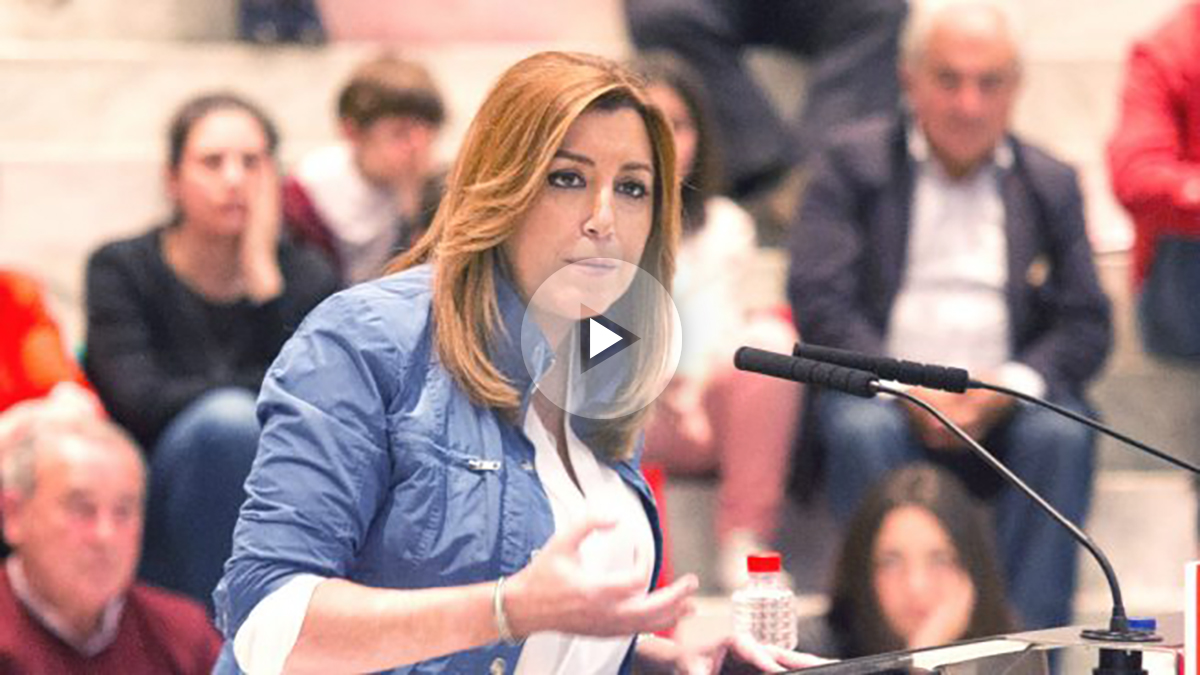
x=601, y=338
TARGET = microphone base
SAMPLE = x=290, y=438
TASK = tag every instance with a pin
x=1119, y=662
x=1108, y=635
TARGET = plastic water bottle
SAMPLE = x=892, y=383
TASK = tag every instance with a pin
x=765, y=608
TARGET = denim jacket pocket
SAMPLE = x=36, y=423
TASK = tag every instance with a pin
x=443, y=515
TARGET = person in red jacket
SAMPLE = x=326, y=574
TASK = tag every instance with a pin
x=1154, y=162
x=33, y=358
x=74, y=490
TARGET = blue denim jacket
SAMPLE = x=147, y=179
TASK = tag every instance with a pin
x=374, y=466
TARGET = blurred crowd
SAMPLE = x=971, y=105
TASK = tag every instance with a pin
x=916, y=223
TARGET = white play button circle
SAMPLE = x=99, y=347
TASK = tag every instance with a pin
x=617, y=338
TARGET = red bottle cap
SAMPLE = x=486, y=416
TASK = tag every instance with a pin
x=767, y=561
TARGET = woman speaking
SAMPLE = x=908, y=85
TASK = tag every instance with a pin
x=425, y=497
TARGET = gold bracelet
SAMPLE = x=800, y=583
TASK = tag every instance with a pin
x=499, y=616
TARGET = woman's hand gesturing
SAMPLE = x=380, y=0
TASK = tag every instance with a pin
x=557, y=592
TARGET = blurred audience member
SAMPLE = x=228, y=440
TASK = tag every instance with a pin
x=713, y=417
x=182, y=322
x=917, y=569
x=849, y=46
x=361, y=201
x=1154, y=161
x=273, y=21
x=73, y=498
x=942, y=237
x=33, y=356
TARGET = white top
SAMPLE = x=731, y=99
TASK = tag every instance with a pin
x=362, y=217
x=952, y=307
x=630, y=544
x=267, y=637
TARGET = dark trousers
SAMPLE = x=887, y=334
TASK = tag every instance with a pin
x=196, y=475
x=850, y=47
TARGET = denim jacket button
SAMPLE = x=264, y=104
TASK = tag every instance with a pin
x=497, y=667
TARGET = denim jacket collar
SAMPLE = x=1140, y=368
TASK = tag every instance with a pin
x=518, y=342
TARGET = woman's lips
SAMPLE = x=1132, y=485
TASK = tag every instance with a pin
x=594, y=266
x=234, y=210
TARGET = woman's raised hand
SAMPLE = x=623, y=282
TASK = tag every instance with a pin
x=557, y=592
x=950, y=619
x=260, y=240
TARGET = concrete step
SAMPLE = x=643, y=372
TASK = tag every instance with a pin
x=344, y=20
x=112, y=20
x=129, y=89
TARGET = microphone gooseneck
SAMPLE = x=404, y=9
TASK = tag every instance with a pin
x=1118, y=629
x=1085, y=420
x=958, y=380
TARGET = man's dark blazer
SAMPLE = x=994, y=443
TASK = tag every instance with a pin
x=850, y=243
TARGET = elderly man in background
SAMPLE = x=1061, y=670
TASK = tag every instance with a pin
x=73, y=496
x=939, y=236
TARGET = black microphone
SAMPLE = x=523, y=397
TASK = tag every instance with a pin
x=848, y=380
x=957, y=380
x=777, y=365
x=896, y=370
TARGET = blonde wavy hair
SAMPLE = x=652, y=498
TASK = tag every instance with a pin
x=502, y=166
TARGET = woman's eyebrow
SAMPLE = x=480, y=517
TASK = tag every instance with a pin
x=575, y=157
x=584, y=159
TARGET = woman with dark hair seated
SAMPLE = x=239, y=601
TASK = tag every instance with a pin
x=918, y=568
x=182, y=322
